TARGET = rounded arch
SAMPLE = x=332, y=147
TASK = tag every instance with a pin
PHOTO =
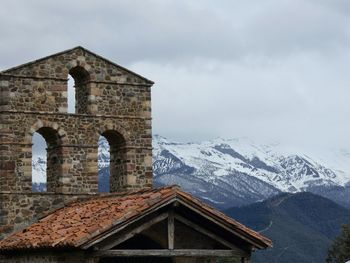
x=80, y=74
x=81, y=64
x=61, y=133
x=80, y=90
x=114, y=173
x=51, y=136
x=114, y=138
x=117, y=128
x=54, y=138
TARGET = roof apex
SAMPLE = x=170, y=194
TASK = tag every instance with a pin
x=85, y=50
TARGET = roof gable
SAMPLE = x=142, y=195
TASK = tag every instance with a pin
x=63, y=61
x=84, y=224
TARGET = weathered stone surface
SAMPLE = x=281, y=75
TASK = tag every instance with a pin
x=48, y=257
x=110, y=101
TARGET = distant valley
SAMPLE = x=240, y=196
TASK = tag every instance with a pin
x=301, y=225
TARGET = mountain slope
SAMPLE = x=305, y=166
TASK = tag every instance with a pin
x=207, y=173
x=251, y=171
x=301, y=226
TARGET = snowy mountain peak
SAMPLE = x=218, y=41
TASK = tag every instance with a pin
x=267, y=162
x=39, y=168
x=161, y=140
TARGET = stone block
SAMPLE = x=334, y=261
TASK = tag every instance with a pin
x=4, y=83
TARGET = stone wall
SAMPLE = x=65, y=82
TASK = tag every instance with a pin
x=42, y=85
x=75, y=257
x=76, y=150
x=110, y=101
x=48, y=257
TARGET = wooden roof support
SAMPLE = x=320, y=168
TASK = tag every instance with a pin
x=209, y=234
x=171, y=216
x=113, y=231
x=132, y=232
x=171, y=229
x=165, y=253
x=246, y=259
x=237, y=232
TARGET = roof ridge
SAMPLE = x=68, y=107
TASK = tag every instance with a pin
x=41, y=59
x=69, y=50
x=116, y=194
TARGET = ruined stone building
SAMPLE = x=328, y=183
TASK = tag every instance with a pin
x=71, y=221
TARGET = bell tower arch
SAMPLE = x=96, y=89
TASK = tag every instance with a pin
x=110, y=100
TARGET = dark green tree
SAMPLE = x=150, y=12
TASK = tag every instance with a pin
x=339, y=252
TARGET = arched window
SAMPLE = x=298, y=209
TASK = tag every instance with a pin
x=78, y=92
x=103, y=165
x=71, y=95
x=39, y=157
x=116, y=164
x=46, y=149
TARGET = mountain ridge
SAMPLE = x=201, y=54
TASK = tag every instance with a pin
x=236, y=172
x=301, y=225
x=264, y=170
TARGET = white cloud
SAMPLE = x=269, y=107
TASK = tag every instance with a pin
x=274, y=68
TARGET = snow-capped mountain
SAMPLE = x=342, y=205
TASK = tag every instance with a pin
x=286, y=171
x=39, y=169
x=103, y=153
x=240, y=171
x=234, y=172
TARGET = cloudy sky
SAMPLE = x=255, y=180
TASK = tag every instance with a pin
x=268, y=70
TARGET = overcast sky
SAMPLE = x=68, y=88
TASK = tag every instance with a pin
x=272, y=69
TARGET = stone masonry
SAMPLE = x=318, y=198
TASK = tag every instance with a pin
x=110, y=101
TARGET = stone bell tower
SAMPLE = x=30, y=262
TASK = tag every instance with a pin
x=110, y=101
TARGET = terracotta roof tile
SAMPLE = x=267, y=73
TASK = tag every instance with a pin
x=79, y=222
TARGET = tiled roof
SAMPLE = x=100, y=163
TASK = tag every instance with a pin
x=79, y=222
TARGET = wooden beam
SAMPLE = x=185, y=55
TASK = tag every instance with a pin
x=209, y=234
x=164, y=253
x=236, y=232
x=118, y=228
x=246, y=259
x=127, y=234
x=171, y=229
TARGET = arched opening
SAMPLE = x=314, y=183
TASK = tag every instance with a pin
x=103, y=165
x=39, y=160
x=47, y=147
x=71, y=94
x=115, y=164
x=78, y=94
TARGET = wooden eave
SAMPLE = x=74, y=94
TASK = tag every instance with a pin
x=176, y=200
x=218, y=220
